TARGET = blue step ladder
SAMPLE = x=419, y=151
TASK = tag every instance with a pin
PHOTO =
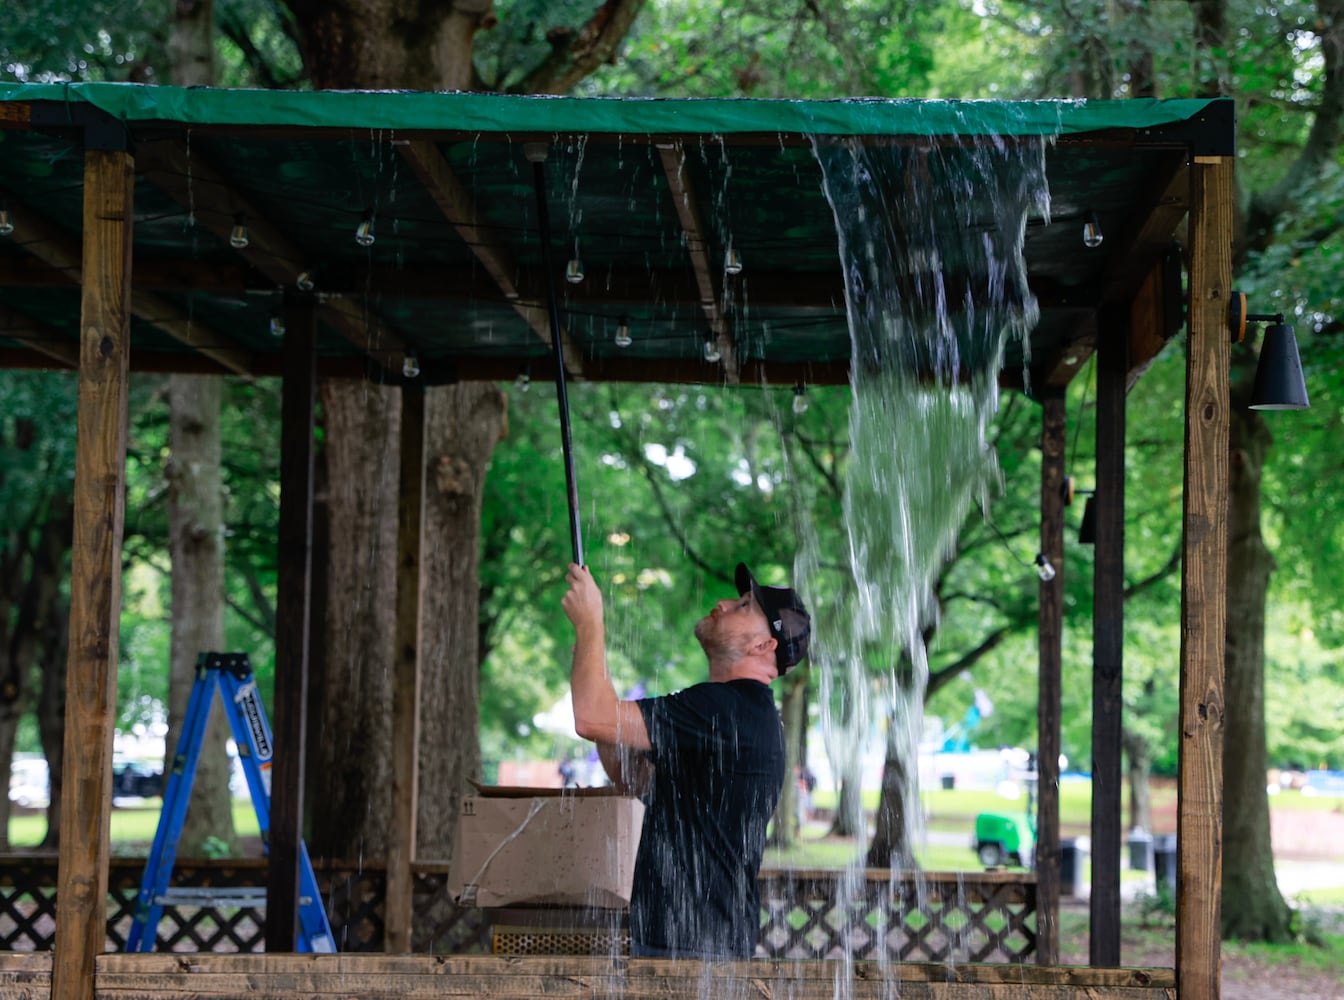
x=232, y=674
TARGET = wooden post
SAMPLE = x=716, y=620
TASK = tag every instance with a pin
x=292, y=612
x=398, y=918
x=95, y=575
x=1108, y=619
x=1204, y=585
x=1054, y=430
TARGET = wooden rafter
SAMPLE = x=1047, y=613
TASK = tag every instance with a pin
x=459, y=208
x=48, y=342
x=194, y=183
x=62, y=254
x=692, y=219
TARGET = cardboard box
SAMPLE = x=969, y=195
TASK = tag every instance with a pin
x=545, y=846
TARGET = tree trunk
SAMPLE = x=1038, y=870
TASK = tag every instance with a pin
x=787, y=826
x=350, y=773
x=464, y=423
x=196, y=548
x=30, y=628
x=51, y=706
x=891, y=846
x=384, y=45
x=1254, y=908
x=1140, y=758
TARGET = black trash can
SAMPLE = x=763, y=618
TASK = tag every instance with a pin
x=1073, y=852
x=1164, y=860
x=1141, y=851
x=949, y=782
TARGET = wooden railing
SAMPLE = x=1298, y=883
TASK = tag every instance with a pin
x=975, y=917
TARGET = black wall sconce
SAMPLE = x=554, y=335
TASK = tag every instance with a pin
x=1279, y=384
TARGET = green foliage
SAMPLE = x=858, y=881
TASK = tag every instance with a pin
x=52, y=40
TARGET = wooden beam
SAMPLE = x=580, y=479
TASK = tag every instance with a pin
x=1050, y=638
x=399, y=913
x=1108, y=619
x=1148, y=329
x=31, y=333
x=691, y=214
x=95, y=576
x=1135, y=251
x=459, y=208
x=1199, y=810
x=53, y=246
x=279, y=977
x=200, y=187
x=293, y=606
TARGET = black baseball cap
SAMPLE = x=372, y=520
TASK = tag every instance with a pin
x=789, y=621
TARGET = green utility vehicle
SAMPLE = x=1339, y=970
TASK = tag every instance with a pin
x=1001, y=839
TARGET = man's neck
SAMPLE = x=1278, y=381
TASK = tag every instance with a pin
x=745, y=669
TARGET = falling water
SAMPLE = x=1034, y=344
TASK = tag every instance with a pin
x=930, y=241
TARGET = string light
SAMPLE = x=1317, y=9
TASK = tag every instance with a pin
x=1044, y=569
x=277, y=324
x=523, y=382
x=800, y=399
x=410, y=365
x=6, y=223
x=732, y=261
x=1092, y=235
x=574, y=270
x=238, y=234
x=712, y=354
x=623, y=333
x=364, y=232
x=304, y=282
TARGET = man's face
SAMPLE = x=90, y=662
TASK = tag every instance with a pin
x=732, y=627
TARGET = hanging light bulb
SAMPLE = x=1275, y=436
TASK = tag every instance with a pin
x=623, y=332
x=277, y=325
x=304, y=282
x=238, y=234
x=6, y=222
x=732, y=261
x=574, y=270
x=712, y=354
x=800, y=399
x=1044, y=569
x=522, y=382
x=1092, y=235
x=410, y=365
x=364, y=232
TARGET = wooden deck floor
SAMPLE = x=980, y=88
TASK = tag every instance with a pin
x=388, y=977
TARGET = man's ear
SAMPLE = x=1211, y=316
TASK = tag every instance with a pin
x=766, y=645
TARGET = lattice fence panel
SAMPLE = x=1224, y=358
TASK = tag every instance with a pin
x=815, y=915
x=971, y=918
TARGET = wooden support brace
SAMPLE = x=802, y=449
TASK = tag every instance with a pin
x=95, y=578
x=1204, y=586
x=399, y=918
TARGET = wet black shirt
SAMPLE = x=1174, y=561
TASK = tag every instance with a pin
x=718, y=754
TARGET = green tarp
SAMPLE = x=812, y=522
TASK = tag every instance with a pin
x=412, y=111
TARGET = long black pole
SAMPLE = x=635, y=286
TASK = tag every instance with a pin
x=537, y=152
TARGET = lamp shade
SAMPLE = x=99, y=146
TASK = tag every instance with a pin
x=1087, y=530
x=1278, y=377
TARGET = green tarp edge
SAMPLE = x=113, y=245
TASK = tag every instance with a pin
x=438, y=112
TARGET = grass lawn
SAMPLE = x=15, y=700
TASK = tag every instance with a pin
x=133, y=827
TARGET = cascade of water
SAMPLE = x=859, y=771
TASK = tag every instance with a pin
x=930, y=240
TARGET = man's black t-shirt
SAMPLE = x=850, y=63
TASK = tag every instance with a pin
x=718, y=754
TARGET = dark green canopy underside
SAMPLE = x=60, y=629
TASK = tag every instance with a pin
x=649, y=194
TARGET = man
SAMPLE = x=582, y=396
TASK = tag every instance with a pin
x=708, y=762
